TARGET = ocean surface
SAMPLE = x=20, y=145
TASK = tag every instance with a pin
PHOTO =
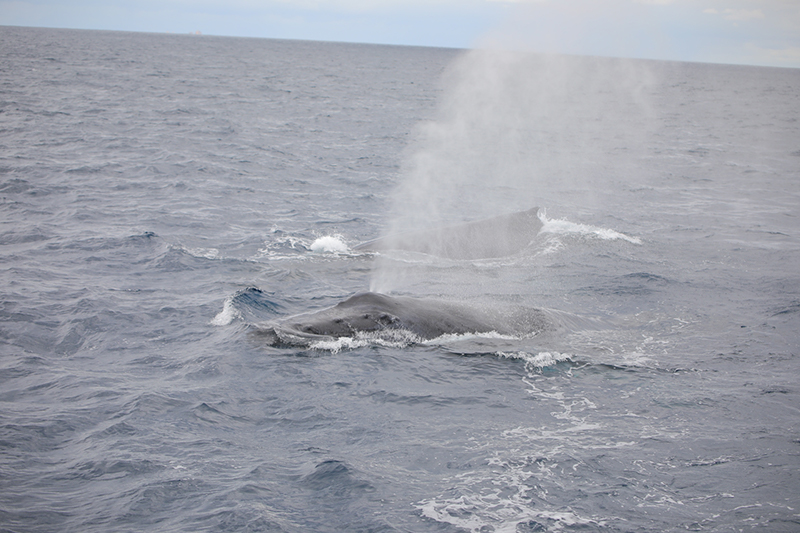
x=165, y=198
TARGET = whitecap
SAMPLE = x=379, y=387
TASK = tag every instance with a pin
x=389, y=338
x=332, y=244
x=228, y=314
x=565, y=227
x=538, y=361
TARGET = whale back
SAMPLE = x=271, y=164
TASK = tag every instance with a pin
x=495, y=237
x=427, y=319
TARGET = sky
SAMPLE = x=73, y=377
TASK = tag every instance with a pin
x=751, y=32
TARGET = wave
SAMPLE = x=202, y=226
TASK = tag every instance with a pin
x=228, y=314
x=250, y=304
x=537, y=361
x=299, y=247
x=285, y=245
x=200, y=253
x=565, y=227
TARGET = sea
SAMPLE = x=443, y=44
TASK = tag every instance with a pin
x=166, y=198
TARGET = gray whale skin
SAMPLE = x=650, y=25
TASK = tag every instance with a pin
x=381, y=314
x=427, y=319
x=499, y=236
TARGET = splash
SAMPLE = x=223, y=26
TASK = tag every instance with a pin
x=536, y=362
x=228, y=314
x=331, y=244
x=401, y=338
x=389, y=338
x=293, y=247
x=565, y=227
x=451, y=338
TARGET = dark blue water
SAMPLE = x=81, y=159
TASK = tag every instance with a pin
x=164, y=197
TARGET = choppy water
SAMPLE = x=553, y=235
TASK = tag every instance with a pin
x=162, y=195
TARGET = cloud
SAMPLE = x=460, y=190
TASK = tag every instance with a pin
x=709, y=31
x=737, y=15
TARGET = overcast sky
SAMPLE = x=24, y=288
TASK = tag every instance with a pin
x=754, y=32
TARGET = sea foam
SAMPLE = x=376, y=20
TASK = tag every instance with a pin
x=332, y=244
x=565, y=227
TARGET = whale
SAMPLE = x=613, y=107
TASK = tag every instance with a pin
x=488, y=238
x=419, y=319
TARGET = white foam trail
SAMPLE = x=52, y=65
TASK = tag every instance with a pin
x=400, y=338
x=295, y=248
x=390, y=338
x=332, y=244
x=277, y=250
x=203, y=253
x=537, y=361
x=501, y=505
x=337, y=345
x=228, y=314
x=458, y=337
x=565, y=227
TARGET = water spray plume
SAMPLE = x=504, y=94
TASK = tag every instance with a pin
x=516, y=130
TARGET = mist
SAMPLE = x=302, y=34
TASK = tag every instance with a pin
x=517, y=129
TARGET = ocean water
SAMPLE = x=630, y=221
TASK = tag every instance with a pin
x=164, y=197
